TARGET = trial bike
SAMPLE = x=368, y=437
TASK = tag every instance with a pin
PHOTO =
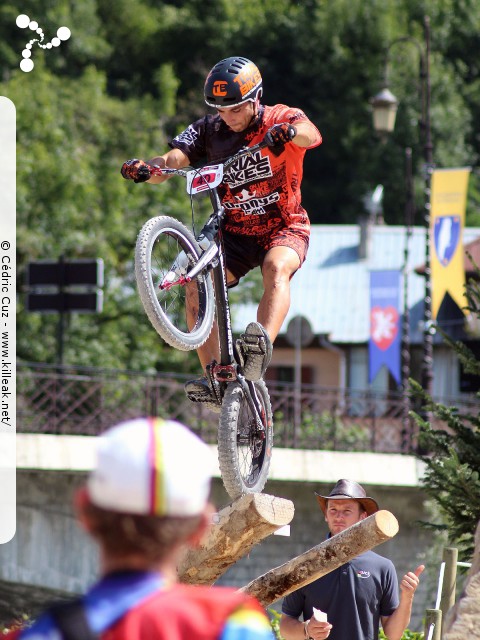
x=168, y=260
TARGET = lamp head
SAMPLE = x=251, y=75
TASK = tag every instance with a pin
x=385, y=106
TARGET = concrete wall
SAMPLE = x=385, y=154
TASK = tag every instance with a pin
x=50, y=551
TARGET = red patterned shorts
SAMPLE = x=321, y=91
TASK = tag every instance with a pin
x=244, y=253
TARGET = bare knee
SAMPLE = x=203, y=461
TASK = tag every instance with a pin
x=276, y=273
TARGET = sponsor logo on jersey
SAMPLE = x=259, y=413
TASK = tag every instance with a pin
x=250, y=204
x=248, y=169
x=188, y=136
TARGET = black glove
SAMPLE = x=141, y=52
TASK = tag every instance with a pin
x=279, y=134
x=136, y=170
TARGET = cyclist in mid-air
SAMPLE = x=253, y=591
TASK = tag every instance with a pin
x=265, y=224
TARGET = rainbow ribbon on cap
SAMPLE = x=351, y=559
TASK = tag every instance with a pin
x=158, y=493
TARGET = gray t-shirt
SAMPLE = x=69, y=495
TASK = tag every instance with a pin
x=354, y=596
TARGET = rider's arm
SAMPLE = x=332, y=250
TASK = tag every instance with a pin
x=307, y=134
x=174, y=159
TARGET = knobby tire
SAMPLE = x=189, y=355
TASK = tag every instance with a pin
x=159, y=242
x=244, y=454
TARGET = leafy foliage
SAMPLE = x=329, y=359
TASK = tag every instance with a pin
x=407, y=635
x=129, y=79
x=275, y=622
x=452, y=476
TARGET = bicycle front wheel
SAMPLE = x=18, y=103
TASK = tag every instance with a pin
x=159, y=243
x=244, y=449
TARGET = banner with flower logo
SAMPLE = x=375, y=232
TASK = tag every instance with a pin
x=384, y=348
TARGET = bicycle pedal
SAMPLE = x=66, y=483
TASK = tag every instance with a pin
x=224, y=373
x=213, y=383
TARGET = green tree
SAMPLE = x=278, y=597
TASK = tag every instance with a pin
x=72, y=201
x=452, y=477
x=131, y=76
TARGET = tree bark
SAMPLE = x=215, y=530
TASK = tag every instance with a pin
x=323, y=558
x=238, y=527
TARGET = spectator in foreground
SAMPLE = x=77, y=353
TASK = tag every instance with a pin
x=144, y=503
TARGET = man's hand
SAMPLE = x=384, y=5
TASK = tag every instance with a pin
x=279, y=134
x=317, y=630
x=410, y=580
x=136, y=170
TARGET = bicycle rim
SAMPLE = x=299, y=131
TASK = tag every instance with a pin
x=244, y=451
x=159, y=242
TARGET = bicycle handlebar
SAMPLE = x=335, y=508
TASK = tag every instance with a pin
x=165, y=171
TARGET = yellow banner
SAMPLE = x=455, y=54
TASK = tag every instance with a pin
x=448, y=203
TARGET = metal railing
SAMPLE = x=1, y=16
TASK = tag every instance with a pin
x=84, y=401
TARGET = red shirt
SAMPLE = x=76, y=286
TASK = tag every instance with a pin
x=177, y=613
x=260, y=193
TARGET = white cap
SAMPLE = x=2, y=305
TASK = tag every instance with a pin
x=151, y=466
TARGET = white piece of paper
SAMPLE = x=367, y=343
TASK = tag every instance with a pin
x=282, y=531
x=319, y=615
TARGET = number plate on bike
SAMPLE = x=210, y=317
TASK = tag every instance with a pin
x=205, y=178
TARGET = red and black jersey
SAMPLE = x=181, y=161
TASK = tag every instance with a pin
x=260, y=192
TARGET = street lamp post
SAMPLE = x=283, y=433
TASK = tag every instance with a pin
x=384, y=111
x=409, y=217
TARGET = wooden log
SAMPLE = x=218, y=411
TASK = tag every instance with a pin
x=239, y=526
x=433, y=624
x=323, y=558
x=449, y=584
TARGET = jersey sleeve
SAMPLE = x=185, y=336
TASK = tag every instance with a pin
x=192, y=141
x=390, y=599
x=282, y=113
x=293, y=604
x=247, y=623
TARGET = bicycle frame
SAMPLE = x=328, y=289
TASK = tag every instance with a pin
x=213, y=258
x=227, y=369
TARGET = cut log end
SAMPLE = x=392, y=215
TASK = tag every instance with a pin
x=276, y=511
x=386, y=523
x=240, y=525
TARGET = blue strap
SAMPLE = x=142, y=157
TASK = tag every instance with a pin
x=106, y=602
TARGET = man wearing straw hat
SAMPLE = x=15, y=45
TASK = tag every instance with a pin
x=145, y=502
x=352, y=601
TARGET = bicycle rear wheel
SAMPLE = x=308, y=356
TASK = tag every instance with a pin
x=244, y=450
x=159, y=242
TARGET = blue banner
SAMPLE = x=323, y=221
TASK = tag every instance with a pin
x=384, y=347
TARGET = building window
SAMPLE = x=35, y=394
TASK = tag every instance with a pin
x=287, y=374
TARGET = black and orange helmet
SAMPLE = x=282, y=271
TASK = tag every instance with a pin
x=231, y=82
